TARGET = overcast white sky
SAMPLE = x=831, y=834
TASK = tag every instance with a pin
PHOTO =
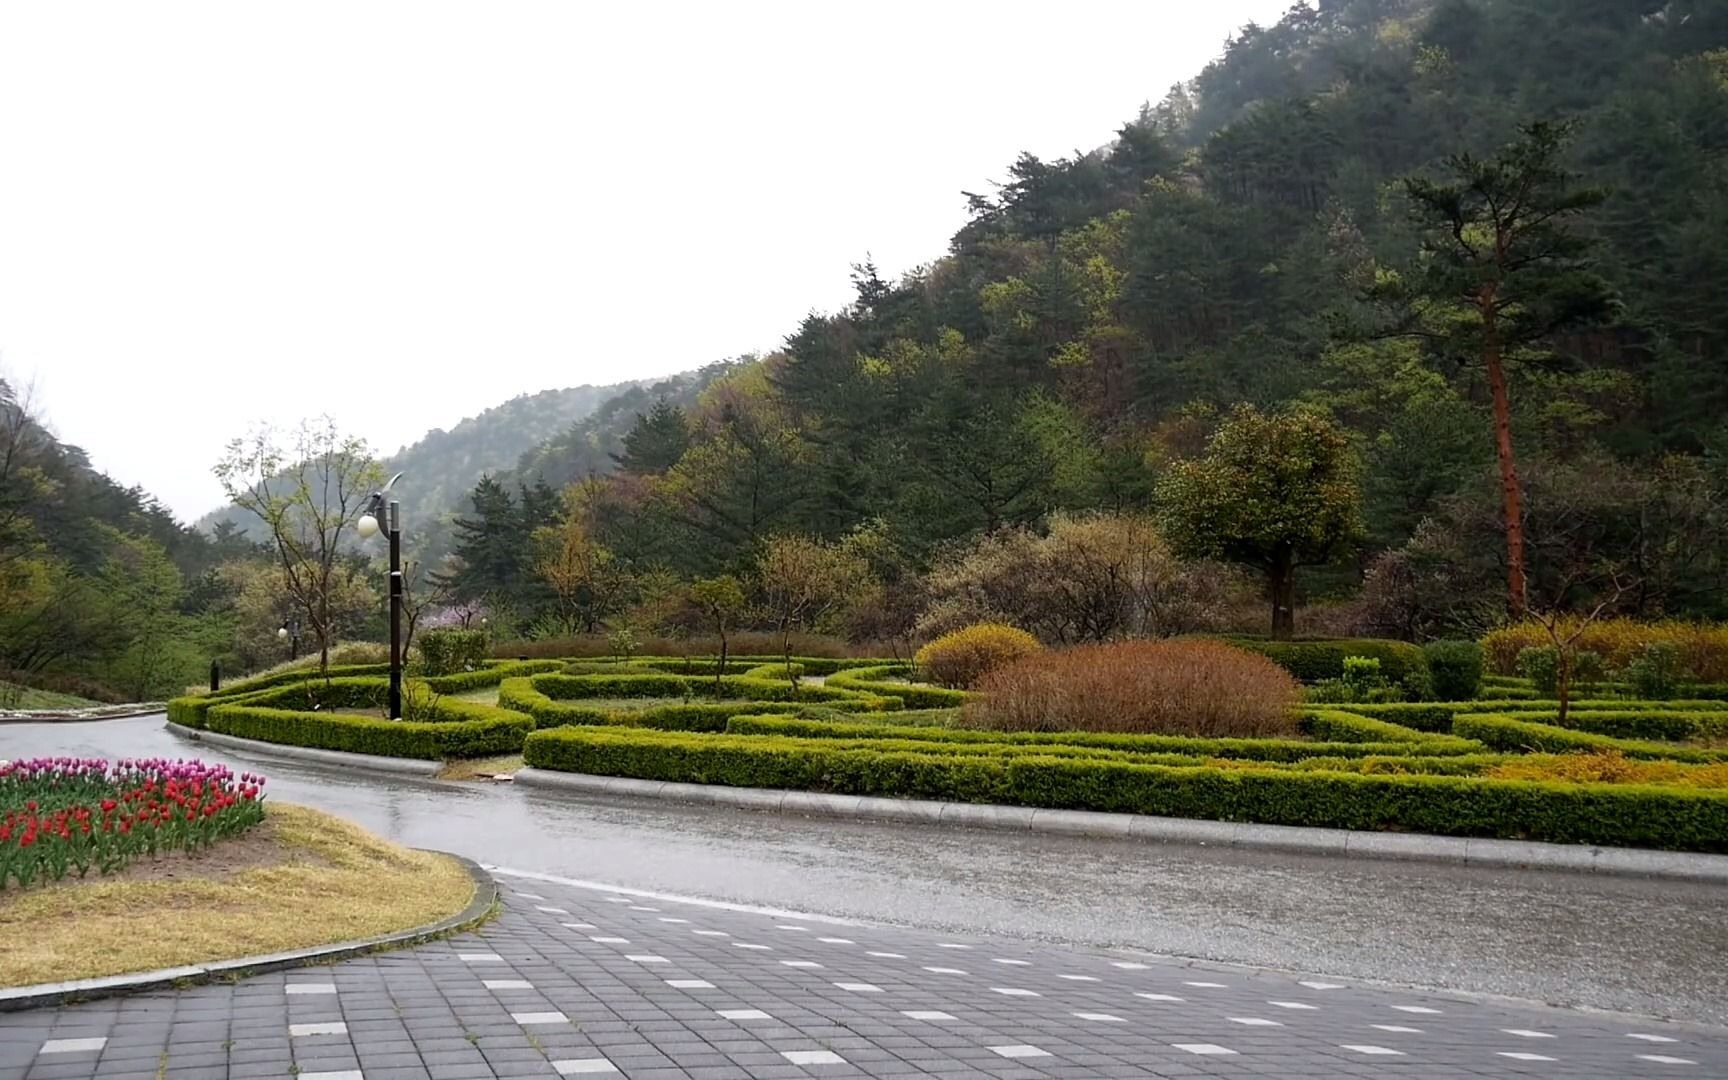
x=401, y=213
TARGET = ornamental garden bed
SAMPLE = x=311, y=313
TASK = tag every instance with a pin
x=1619, y=772
x=111, y=869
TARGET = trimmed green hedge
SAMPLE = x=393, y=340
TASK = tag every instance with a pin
x=1337, y=725
x=1437, y=716
x=778, y=671
x=1566, y=813
x=490, y=675
x=1522, y=736
x=521, y=695
x=280, y=678
x=726, y=688
x=708, y=665
x=874, y=680
x=1648, y=724
x=1248, y=749
x=481, y=730
x=1312, y=661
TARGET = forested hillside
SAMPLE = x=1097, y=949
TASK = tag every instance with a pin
x=1403, y=317
x=1308, y=224
x=102, y=592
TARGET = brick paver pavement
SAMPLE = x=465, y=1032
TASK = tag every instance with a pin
x=575, y=980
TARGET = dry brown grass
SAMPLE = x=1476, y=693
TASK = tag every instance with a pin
x=319, y=880
x=1203, y=688
x=479, y=768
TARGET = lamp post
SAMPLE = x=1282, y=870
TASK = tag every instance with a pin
x=290, y=632
x=368, y=527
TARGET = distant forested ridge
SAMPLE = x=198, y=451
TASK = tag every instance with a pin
x=1259, y=236
x=444, y=465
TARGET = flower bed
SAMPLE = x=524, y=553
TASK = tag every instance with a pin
x=69, y=814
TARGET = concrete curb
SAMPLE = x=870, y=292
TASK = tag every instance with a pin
x=373, y=762
x=65, y=993
x=147, y=708
x=1417, y=847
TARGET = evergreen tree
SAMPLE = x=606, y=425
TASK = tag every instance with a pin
x=656, y=440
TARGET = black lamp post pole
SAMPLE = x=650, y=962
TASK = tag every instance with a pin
x=395, y=528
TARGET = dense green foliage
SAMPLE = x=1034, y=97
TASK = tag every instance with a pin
x=100, y=588
x=1295, y=280
x=1300, y=229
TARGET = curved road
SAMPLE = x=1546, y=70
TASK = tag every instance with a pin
x=1652, y=947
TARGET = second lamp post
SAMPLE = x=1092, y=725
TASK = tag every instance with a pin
x=368, y=527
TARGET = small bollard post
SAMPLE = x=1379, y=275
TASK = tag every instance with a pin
x=215, y=675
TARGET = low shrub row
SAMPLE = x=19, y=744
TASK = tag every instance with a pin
x=521, y=695
x=294, y=675
x=736, y=665
x=1662, y=817
x=1669, y=725
x=1248, y=749
x=490, y=675
x=474, y=730
x=876, y=680
x=1503, y=732
x=1312, y=661
x=1336, y=725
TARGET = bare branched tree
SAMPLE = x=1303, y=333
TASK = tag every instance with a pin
x=307, y=493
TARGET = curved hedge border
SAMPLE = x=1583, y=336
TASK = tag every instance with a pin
x=492, y=674
x=1437, y=716
x=1283, y=750
x=809, y=665
x=521, y=695
x=723, y=689
x=292, y=714
x=1673, y=818
x=874, y=680
x=1512, y=734
x=474, y=730
x=1311, y=661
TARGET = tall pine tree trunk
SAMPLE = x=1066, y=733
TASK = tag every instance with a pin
x=1512, y=499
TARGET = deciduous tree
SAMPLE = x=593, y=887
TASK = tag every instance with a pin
x=1275, y=491
x=308, y=490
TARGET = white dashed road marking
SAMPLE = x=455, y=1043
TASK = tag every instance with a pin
x=1664, y=1059
x=77, y=1046
x=334, y=1028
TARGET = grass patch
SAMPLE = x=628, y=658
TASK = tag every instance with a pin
x=13, y=696
x=479, y=768
x=485, y=695
x=300, y=879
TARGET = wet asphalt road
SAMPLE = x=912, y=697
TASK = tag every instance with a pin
x=1650, y=947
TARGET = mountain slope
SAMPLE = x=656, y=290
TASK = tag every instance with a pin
x=442, y=466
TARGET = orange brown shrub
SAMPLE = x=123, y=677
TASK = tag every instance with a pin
x=1203, y=688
